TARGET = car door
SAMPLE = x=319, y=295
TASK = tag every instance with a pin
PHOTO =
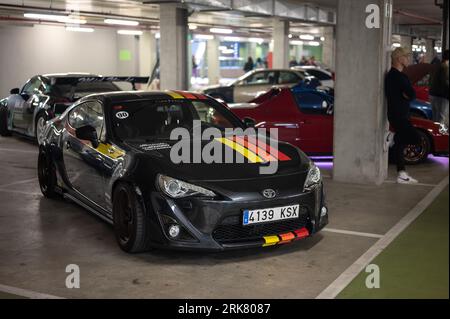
x=21, y=104
x=315, y=122
x=255, y=84
x=84, y=164
x=283, y=116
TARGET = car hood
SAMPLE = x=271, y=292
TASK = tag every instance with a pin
x=156, y=157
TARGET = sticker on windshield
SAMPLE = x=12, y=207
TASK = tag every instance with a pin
x=122, y=115
x=154, y=147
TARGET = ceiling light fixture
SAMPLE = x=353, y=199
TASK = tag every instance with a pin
x=221, y=31
x=203, y=36
x=307, y=37
x=130, y=32
x=79, y=29
x=121, y=22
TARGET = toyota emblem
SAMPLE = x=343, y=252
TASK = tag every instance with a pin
x=269, y=193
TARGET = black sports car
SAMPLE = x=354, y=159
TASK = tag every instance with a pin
x=111, y=154
x=43, y=97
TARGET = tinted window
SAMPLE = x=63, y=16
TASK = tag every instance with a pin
x=261, y=78
x=288, y=77
x=74, y=92
x=149, y=119
x=320, y=75
x=311, y=103
x=32, y=86
x=89, y=113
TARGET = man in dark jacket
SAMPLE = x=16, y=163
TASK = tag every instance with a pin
x=399, y=93
x=439, y=91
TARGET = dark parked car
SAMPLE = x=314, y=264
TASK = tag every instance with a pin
x=111, y=153
x=27, y=109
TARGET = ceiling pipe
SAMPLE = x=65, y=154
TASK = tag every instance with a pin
x=416, y=16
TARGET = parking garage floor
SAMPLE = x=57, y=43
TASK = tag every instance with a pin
x=40, y=237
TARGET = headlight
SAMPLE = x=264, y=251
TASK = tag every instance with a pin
x=313, y=179
x=177, y=189
x=443, y=129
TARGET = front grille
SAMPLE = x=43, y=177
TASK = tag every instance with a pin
x=227, y=233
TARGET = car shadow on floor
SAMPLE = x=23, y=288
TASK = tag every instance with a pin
x=102, y=236
x=169, y=257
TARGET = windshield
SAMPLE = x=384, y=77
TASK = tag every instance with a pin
x=75, y=92
x=155, y=119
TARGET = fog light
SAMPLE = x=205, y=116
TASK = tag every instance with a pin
x=323, y=211
x=174, y=231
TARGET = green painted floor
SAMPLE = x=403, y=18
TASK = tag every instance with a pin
x=415, y=265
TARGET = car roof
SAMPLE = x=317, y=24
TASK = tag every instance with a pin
x=125, y=96
x=69, y=75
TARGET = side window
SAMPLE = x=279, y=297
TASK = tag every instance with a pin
x=320, y=75
x=210, y=115
x=32, y=86
x=288, y=77
x=88, y=113
x=312, y=103
x=261, y=78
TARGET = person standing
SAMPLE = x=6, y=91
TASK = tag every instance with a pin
x=194, y=67
x=249, y=65
x=439, y=91
x=399, y=93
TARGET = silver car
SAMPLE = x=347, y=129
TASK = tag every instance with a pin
x=43, y=97
x=257, y=82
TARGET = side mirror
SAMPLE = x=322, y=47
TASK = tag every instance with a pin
x=249, y=122
x=15, y=91
x=87, y=133
x=25, y=96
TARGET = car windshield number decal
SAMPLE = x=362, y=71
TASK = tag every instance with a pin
x=270, y=214
x=122, y=115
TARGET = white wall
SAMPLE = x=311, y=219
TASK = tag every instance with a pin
x=27, y=51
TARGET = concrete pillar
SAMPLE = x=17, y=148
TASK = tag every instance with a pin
x=445, y=15
x=252, y=50
x=328, y=47
x=173, y=54
x=147, y=53
x=429, y=55
x=212, y=52
x=281, y=44
x=406, y=42
x=360, y=121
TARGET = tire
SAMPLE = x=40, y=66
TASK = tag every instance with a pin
x=418, y=153
x=4, y=122
x=39, y=125
x=46, y=174
x=130, y=220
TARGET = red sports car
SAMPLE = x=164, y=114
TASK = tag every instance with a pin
x=422, y=92
x=304, y=118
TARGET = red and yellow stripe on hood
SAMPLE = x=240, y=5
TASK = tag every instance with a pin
x=253, y=149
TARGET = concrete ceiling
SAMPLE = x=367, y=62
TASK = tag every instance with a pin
x=407, y=12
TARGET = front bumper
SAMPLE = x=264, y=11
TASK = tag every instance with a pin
x=440, y=144
x=216, y=225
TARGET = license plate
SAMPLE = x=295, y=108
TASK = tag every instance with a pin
x=265, y=215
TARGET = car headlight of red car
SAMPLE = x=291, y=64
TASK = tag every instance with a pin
x=443, y=129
